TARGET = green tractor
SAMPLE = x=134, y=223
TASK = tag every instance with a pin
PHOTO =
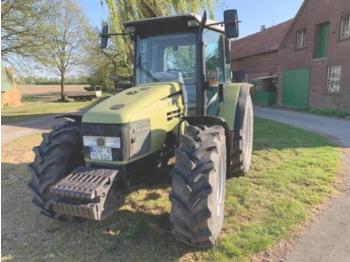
x=181, y=104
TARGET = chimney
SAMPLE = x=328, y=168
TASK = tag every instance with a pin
x=262, y=28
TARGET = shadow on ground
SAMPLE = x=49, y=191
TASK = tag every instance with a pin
x=27, y=120
x=139, y=231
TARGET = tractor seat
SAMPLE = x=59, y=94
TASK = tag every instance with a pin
x=172, y=76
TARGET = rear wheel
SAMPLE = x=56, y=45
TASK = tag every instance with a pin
x=59, y=153
x=243, y=142
x=198, y=186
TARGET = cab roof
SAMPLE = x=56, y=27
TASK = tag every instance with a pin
x=176, y=23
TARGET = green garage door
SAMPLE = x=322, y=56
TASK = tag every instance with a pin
x=296, y=88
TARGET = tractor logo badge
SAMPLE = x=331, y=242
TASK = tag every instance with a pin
x=100, y=141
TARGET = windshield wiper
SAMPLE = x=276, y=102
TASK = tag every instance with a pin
x=145, y=70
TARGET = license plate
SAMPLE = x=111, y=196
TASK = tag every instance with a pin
x=101, y=153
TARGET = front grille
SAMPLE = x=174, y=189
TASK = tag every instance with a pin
x=112, y=130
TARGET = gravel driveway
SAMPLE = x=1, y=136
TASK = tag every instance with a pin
x=328, y=238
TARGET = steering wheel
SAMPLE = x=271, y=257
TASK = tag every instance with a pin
x=177, y=70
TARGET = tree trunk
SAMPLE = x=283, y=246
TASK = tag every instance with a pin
x=62, y=88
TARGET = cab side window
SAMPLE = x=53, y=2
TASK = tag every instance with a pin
x=214, y=55
x=214, y=69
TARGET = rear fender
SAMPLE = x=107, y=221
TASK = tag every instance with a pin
x=244, y=93
x=231, y=109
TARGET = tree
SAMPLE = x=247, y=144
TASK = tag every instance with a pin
x=23, y=32
x=105, y=65
x=23, y=27
x=99, y=66
x=64, y=50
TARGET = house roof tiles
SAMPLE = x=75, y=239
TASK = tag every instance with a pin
x=263, y=42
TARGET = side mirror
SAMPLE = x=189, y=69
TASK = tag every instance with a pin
x=104, y=36
x=231, y=23
x=124, y=85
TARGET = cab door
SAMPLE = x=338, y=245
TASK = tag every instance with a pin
x=214, y=69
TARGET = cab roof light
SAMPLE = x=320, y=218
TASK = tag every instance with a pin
x=192, y=23
x=130, y=29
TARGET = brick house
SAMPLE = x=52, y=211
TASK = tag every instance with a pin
x=308, y=58
x=257, y=54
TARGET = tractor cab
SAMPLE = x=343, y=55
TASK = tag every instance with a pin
x=188, y=49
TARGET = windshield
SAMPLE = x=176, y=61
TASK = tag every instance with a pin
x=166, y=58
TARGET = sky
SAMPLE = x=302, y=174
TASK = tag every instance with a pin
x=95, y=11
x=251, y=13
x=254, y=13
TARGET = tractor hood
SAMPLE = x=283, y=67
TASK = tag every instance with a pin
x=131, y=103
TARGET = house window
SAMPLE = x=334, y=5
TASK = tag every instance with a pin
x=345, y=27
x=301, y=39
x=321, y=40
x=333, y=79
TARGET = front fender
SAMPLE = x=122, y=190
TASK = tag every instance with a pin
x=76, y=117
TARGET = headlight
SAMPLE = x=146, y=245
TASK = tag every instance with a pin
x=112, y=142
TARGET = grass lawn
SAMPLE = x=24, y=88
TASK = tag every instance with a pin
x=36, y=106
x=292, y=172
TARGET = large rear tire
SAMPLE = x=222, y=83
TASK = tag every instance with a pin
x=58, y=154
x=242, y=146
x=198, y=186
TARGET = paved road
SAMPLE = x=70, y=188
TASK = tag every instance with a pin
x=11, y=132
x=327, y=239
x=336, y=128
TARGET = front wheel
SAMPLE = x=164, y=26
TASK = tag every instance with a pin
x=59, y=153
x=198, y=186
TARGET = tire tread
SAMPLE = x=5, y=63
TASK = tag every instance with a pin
x=191, y=213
